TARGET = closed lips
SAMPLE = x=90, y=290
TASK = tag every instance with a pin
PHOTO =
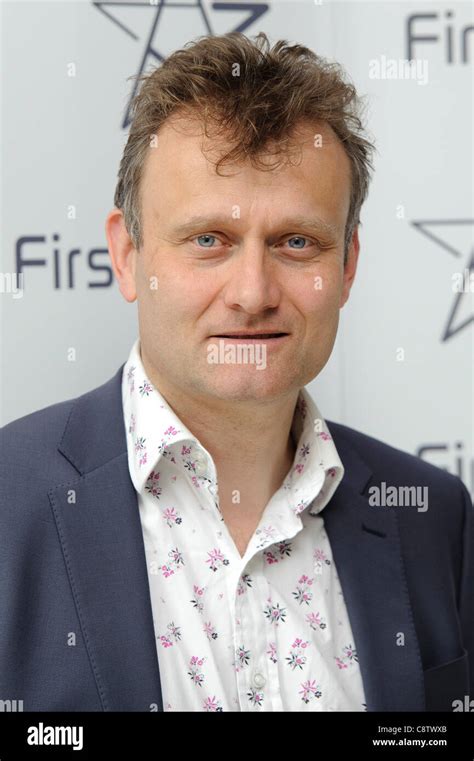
x=252, y=335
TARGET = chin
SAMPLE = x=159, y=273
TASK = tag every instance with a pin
x=250, y=388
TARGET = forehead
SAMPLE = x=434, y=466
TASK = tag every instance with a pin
x=180, y=170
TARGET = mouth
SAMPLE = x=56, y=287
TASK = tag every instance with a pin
x=252, y=336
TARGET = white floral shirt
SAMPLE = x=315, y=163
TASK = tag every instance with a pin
x=268, y=631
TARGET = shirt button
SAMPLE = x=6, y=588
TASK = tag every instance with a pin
x=258, y=680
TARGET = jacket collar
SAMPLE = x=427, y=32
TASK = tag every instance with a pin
x=100, y=532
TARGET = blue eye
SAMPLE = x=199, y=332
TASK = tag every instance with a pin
x=298, y=237
x=206, y=236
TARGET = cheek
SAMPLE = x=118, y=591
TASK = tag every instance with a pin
x=158, y=282
x=318, y=297
x=175, y=296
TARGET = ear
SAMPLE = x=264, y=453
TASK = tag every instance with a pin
x=122, y=254
x=350, y=267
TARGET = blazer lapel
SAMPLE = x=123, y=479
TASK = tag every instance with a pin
x=99, y=529
x=367, y=553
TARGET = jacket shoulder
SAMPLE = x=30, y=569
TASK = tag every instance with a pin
x=45, y=424
x=393, y=464
x=30, y=460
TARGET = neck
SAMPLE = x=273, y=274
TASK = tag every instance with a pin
x=249, y=441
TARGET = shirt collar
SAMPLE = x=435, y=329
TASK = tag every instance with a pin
x=154, y=431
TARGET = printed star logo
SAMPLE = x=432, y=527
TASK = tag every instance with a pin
x=152, y=23
x=461, y=313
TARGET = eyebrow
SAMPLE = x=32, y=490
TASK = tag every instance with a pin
x=314, y=224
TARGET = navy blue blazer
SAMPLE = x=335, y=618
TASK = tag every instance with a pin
x=76, y=627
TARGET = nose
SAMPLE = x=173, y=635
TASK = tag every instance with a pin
x=252, y=284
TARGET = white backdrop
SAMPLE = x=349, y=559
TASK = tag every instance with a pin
x=402, y=368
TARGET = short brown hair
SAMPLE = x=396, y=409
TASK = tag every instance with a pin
x=274, y=90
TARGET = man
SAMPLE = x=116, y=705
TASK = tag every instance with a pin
x=192, y=535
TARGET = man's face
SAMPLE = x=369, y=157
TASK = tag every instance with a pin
x=252, y=264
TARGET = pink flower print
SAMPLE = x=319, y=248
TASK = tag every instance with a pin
x=266, y=536
x=272, y=652
x=171, y=431
x=350, y=653
x=303, y=593
x=174, y=635
x=167, y=570
x=299, y=507
x=315, y=621
x=324, y=436
x=171, y=517
x=275, y=614
x=242, y=658
x=131, y=427
x=140, y=444
x=211, y=705
x=255, y=697
x=299, y=468
x=195, y=482
x=320, y=557
x=197, y=677
x=300, y=643
x=310, y=690
x=175, y=631
x=267, y=531
x=198, y=595
x=185, y=450
x=244, y=581
x=176, y=556
x=216, y=559
x=140, y=450
x=269, y=557
x=332, y=472
x=297, y=657
x=210, y=631
x=176, y=560
x=280, y=550
x=145, y=389
x=348, y=658
x=151, y=485
x=131, y=379
x=305, y=450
